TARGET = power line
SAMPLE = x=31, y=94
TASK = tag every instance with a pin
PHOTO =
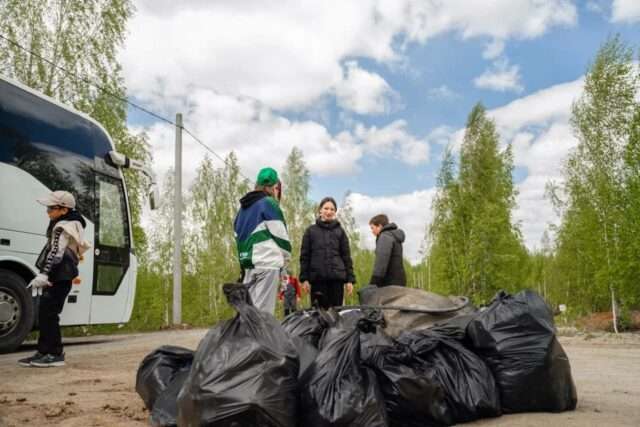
x=121, y=99
x=87, y=81
x=188, y=132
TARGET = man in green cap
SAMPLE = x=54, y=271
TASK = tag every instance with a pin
x=263, y=243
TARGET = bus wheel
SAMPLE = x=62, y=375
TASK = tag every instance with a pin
x=16, y=311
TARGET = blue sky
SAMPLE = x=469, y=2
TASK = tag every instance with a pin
x=371, y=91
x=561, y=55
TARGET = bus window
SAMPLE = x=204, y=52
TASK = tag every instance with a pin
x=108, y=278
x=112, y=214
x=112, y=248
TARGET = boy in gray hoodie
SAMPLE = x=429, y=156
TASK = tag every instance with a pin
x=58, y=265
x=388, y=268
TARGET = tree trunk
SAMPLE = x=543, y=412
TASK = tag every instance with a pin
x=613, y=294
x=614, y=310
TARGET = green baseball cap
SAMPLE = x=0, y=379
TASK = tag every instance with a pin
x=267, y=176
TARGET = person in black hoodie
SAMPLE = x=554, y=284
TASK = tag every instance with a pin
x=325, y=258
x=58, y=265
x=388, y=268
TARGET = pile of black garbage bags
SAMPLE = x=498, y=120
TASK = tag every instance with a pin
x=323, y=368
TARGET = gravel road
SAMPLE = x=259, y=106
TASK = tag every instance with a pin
x=96, y=388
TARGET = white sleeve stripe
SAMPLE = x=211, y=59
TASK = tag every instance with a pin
x=259, y=227
x=277, y=229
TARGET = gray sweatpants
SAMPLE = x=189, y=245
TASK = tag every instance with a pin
x=263, y=284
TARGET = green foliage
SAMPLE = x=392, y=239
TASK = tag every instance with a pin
x=473, y=246
x=153, y=301
x=596, y=257
x=363, y=259
x=82, y=37
x=209, y=257
x=153, y=296
x=629, y=263
x=298, y=210
x=210, y=241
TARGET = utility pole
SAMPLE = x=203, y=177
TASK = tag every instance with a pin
x=177, y=227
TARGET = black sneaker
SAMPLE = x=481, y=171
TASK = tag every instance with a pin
x=49, y=360
x=27, y=360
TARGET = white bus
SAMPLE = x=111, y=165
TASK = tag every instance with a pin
x=46, y=146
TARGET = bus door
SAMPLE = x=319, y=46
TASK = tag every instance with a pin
x=112, y=253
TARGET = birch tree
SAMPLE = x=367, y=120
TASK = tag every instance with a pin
x=475, y=248
x=69, y=50
x=299, y=211
x=212, y=256
x=595, y=173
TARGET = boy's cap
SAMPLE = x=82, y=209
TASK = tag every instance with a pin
x=58, y=198
x=267, y=176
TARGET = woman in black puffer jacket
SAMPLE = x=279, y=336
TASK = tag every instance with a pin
x=325, y=258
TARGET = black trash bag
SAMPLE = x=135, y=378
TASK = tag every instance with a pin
x=244, y=372
x=307, y=353
x=368, y=320
x=337, y=390
x=516, y=336
x=470, y=391
x=444, y=307
x=349, y=318
x=158, y=369
x=165, y=411
x=412, y=396
x=307, y=324
x=457, y=327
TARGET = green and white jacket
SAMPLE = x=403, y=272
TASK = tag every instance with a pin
x=261, y=233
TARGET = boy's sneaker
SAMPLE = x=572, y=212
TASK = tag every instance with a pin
x=49, y=360
x=27, y=360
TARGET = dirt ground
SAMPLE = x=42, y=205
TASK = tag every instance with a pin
x=96, y=388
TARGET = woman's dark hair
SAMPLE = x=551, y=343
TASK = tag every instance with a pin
x=381, y=219
x=328, y=199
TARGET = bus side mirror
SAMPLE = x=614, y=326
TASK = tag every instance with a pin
x=121, y=161
x=118, y=159
x=154, y=197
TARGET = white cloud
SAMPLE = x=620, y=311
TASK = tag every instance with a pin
x=537, y=126
x=394, y=140
x=259, y=136
x=493, y=49
x=411, y=212
x=256, y=134
x=288, y=54
x=501, y=77
x=543, y=159
x=625, y=11
x=443, y=92
x=364, y=92
x=231, y=66
x=539, y=109
x=498, y=18
x=528, y=115
x=596, y=6
x=285, y=54
x=441, y=135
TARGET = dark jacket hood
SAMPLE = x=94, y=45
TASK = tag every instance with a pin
x=393, y=229
x=251, y=197
x=72, y=215
x=388, y=268
x=330, y=225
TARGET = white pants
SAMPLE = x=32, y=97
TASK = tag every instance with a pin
x=263, y=284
